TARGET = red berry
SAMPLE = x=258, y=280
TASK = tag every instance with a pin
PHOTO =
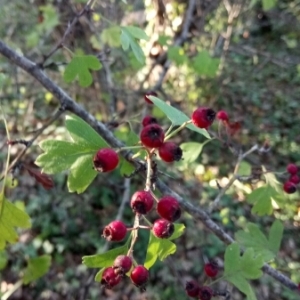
x=141, y=202
x=170, y=152
x=150, y=93
x=115, y=231
x=292, y=169
x=294, y=179
x=163, y=229
x=149, y=120
x=168, y=208
x=192, y=288
x=211, y=269
x=205, y=293
x=222, y=115
x=152, y=136
x=105, y=160
x=122, y=264
x=110, y=278
x=203, y=117
x=139, y=276
x=289, y=187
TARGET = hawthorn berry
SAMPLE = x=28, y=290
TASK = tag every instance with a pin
x=139, y=276
x=292, y=169
x=211, y=269
x=289, y=187
x=141, y=202
x=222, y=115
x=122, y=264
x=163, y=229
x=170, y=152
x=110, y=278
x=205, y=293
x=294, y=179
x=168, y=208
x=203, y=117
x=150, y=93
x=152, y=136
x=105, y=160
x=149, y=120
x=192, y=288
x=115, y=231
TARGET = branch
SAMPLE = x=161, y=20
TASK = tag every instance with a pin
x=69, y=104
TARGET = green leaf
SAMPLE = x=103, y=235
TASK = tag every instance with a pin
x=190, y=151
x=243, y=285
x=98, y=276
x=3, y=260
x=80, y=67
x=176, y=116
x=126, y=167
x=10, y=218
x=205, y=65
x=269, y=4
x=105, y=259
x=178, y=231
x=275, y=236
x=177, y=55
x=136, y=32
x=36, y=268
x=111, y=36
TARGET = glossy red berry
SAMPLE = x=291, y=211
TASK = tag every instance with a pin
x=192, y=288
x=289, y=187
x=163, y=229
x=110, y=278
x=122, y=264
x=106, y=160
x=141, y=202
x=294, y=179
x=205, y=293
x=222, y=115
x=211, y=269
x=150, y=93
x=139, y=276
x=168, y=208
x=203, y=117
x=170, y=152
x=292, y=169
x=115, y=231
x=149, y=120
x=152, y=136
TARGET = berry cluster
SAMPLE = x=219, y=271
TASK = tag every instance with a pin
x=290, y=186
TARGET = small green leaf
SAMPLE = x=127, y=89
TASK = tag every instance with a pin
x=275, y=236
x=80, y=67
x=98, y=276
x=178, y=231
x=190, y=151
x=125, y=40
x=269, y=4
x=126, y=168
x=137, y=32
x=10, y=218
x=111, y=36
x=205, y=65
x=105, y=259
x=177, y=55
x=243, y=285
x=36, y=268
x=3, y=260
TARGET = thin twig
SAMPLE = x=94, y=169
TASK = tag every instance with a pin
x=125, y=198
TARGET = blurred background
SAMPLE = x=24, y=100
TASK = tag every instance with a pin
x=240, y=56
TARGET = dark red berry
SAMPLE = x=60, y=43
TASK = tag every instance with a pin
x=141, y=202
x=139, y=276
x=289, y=187
x=149, y=120
x=168, y=208
x=150, y=93
x=192, y=288
x=203, y=117
x=292, y=169
x=110, y=278
x=170, y=152
x=222, y=115
x=105, y=160
x=211, y=269
x=122, y=264
x=205, y=293
x=294, y=179
x=115, y=231
x=163, y=229
x=152, y=136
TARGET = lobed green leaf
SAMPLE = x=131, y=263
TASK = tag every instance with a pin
x=36, y=268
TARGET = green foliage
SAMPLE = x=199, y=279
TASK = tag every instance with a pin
x=177, y=55
x=267, y=4
x=253, y=238
x=111, y=36
x=239, y=268
x=162, y=248
x=50, y=18
x=10, y=218
x=36, y=268
x=3, y=260
x=76, y=156
x=80, y=67
x=205, y=65
x=191, y=151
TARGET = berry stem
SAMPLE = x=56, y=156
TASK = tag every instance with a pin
x=134, y=234
x=149, y=170
x=182, y=126
x=148, y=222
x=169, y=130
x=154, y=196
x=128, y=148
